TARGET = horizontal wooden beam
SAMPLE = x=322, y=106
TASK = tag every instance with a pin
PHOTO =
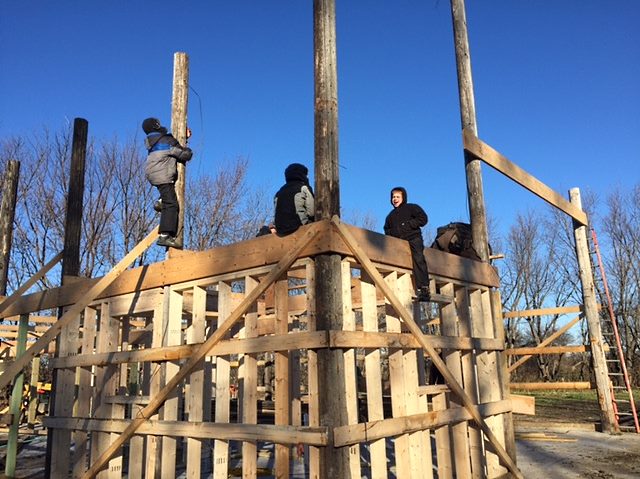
x=314, y=436
x=581, y=348
x=372, y=430
x=550, y=386
x=255, y=253
x=523, y=404
x=542, y=312
x=281, y=342
x=479, y=149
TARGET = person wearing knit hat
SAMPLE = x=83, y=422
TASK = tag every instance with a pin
x=163, y=154
x=294, y=202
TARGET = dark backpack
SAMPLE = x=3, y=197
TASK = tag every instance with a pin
x=456, y=238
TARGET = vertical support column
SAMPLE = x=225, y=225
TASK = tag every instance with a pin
x=470, y=382
x=16, y=400
x=503, y=373
x=152, y=384
x=173, y=320
x=196, y=334
x=350, y=384
x=312, y=372
x=249, y=386
x=600, y=370
x=459, y=432
x=475, y=193
x=33, y=391
x=398, y=388
x=223, y=395
x=85, y=389
x=281, y=397
x=332, y=409
x=7, y=214
x=73, y=222
x=72, y=235
x=179, y=103
x=373, y=376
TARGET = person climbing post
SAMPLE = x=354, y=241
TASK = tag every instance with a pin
x=163, y=153
x=294, y=202
x=404, y=222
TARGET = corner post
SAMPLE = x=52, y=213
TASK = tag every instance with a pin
x=600, y=370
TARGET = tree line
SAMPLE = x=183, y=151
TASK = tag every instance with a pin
x=539, y=269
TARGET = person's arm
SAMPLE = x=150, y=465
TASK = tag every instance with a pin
x=418, y=218
x=304, y=203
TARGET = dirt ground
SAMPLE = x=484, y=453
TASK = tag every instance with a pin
x=547, y=448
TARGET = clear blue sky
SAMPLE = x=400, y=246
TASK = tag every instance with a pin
x=556, y=87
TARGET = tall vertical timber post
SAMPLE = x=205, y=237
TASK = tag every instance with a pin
x=64, y=379
x=7, y=214
x=475, y=191
x=179, y=103
x=331, y=375
x=598, y=357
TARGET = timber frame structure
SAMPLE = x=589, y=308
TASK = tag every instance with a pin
x=161, y=361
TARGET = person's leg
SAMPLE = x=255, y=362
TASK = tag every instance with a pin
x=169, y=213
x=420, y=270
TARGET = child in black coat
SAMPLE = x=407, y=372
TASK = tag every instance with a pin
x=404, y=222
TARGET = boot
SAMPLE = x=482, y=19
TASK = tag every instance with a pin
x=169, y=241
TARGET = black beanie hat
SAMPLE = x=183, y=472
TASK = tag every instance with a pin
x=150, y=125
x=296, y=171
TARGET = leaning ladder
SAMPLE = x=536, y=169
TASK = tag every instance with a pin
x=615, y=357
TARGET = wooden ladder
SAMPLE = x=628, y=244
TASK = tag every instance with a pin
x=625, y=409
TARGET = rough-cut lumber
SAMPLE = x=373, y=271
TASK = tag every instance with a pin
x=523, y=404
x=6, y=302
x=75, y=310
x=542, y=312
x=456, y=388
x=550, y=386
x=368, y=431
x=547, y=341
x=317, y=436
x=282, y=266
x=258, y=252
x=491, y=157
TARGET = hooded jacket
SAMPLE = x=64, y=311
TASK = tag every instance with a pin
x=405, y=220
x=294, y=202
x=163, y=153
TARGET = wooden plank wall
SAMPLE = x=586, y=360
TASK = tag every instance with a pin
x=219, y=420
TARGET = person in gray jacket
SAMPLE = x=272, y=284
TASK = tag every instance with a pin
x=163, y=153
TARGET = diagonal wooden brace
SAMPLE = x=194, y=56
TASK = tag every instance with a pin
x=199, y=354
x=425, y=343
x=30, y=282
x=19, y=364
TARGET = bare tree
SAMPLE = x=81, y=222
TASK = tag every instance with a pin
x=622, y=229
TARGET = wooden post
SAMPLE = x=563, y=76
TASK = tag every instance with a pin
x=73, y=222
x=600, y=370
x=71, y=249
x=331, y=379
x=475, y=193
x=7, y=214
x=16, y=400
x=179, y=104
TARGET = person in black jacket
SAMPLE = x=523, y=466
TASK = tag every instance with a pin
x=405, y=221
x=294, y=202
